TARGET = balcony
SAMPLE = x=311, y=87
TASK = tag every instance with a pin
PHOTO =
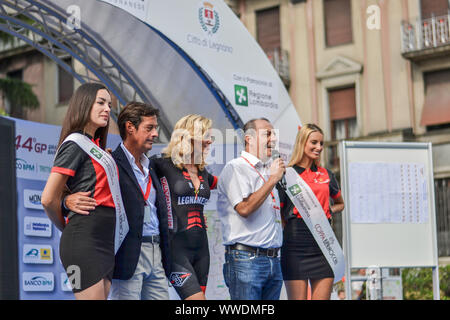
x=428, y=38
x=280, y=61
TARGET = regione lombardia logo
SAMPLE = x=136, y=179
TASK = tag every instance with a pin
x=295, y=190
x=241, y=95
x=209, y=18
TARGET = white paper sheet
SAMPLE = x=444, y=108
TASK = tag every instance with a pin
x=387, y=192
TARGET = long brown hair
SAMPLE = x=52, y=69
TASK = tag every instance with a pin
x=300, y=142
x=78, y=113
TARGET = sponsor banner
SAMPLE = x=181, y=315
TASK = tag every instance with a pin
x=65, y=283
x=37, y=254
x=38, y=281
x=209, y=32
x=37, y=227
x=256, y=93
x=104, y=159
x=315, y=219
x=35, y=149
x=32, y=199
x=137, y=8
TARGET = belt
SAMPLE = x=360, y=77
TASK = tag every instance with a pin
x=271, y=252
x=151, y=239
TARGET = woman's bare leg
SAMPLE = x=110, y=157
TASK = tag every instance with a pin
x=296, y=289
x=197, y=296
x=321, y=289
x=98, y=291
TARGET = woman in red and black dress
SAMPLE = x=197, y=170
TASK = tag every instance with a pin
x=301, y=258
x=87, y=241
x=186, y=185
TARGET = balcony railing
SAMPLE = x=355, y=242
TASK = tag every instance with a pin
x=425, y=34
x=280, y=60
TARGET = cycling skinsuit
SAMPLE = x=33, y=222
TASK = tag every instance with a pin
x=188, y=241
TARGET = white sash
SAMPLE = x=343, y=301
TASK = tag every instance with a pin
x=315, y=219
x=109, y=165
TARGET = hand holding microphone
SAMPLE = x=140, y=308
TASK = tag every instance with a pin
x=278, y=168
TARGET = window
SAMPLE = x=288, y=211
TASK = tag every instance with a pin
x=15, y=111
x=436, y=109
x=65, y=83
x=17, y=74
x=428, y=8
x=338, y=22
x=343, y=113
x=268, y=29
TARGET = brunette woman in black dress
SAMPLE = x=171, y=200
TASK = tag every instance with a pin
x=87, y=241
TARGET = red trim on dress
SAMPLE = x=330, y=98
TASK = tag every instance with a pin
x=214, y=185
x=319, y=182
x=102, y=192
x=337, y=195
x=64, y=171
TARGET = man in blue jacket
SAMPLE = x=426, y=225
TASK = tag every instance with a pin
x=141, y=264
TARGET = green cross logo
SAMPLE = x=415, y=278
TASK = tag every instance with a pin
x=295, y=190
x=96, y=153
x=241, y=95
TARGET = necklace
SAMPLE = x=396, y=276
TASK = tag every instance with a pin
x=196, y=191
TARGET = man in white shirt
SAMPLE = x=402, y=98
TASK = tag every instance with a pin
x=249, y=209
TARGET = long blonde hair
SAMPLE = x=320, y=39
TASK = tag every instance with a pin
x=300, y=142
x=180, y=147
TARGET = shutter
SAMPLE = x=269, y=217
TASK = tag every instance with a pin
x=342, y=104
x=338, y=22
x=436, y=109
x=268, y=29
x=436, y=7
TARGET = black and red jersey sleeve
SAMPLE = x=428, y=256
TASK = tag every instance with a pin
x=69, y=158
x=335, y=190
x=162, y=166
x=212, y=180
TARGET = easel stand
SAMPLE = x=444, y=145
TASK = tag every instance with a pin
x=389, y=220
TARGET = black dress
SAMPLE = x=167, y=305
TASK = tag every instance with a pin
x=87, y=241
x=301, y=256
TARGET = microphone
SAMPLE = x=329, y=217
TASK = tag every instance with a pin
x=282, y=183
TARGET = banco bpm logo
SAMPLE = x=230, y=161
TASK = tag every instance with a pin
x=241, y=95
x=209, y=18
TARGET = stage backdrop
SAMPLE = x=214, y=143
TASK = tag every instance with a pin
x=41, y=274
x=211, y=35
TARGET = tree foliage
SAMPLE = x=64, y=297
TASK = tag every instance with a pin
x=418, y=283
x=19, y=93
x=7, y=37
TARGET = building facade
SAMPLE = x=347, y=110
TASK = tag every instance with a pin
x=51, y=84
x=371, y=70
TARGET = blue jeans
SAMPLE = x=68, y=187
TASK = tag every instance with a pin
x=251, y=277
